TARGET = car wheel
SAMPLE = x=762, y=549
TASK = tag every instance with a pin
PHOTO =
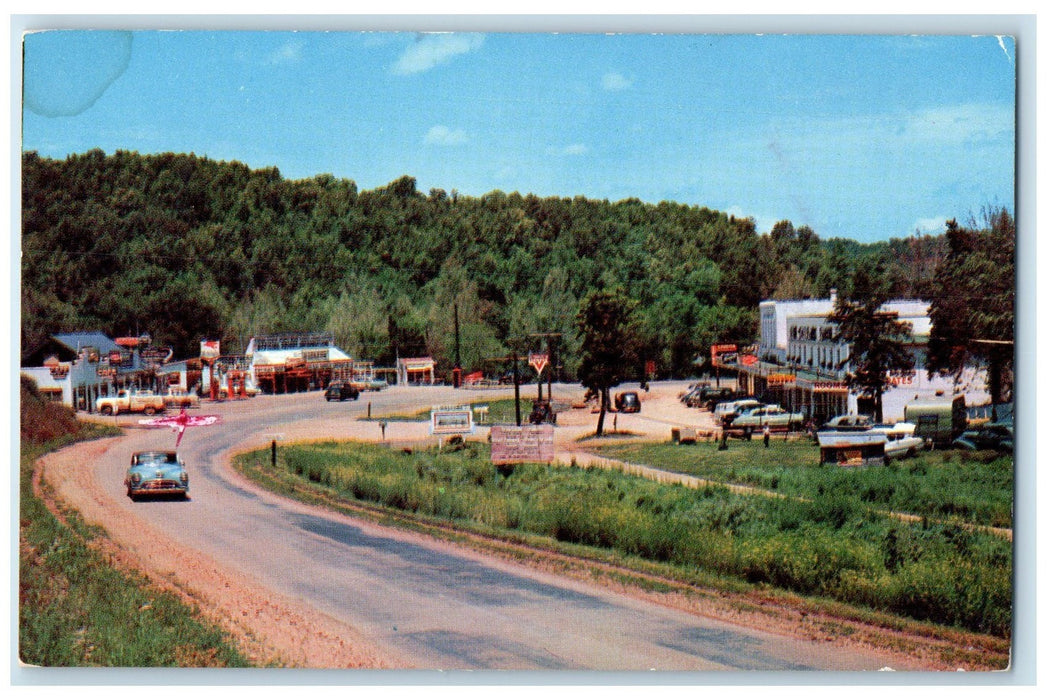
x=150, y=410
x=107, y=410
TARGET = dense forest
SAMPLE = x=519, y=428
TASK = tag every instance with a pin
x=184, y=248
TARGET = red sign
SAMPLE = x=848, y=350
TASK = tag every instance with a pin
x=538, y=361
x=209, y=348
x=718, y=349
x=512, y=444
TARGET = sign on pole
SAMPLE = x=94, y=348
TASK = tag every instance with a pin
x=538, y=360
x=451, y=421
x=513, y=444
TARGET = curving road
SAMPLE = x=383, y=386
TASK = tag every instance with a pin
x=429, y=604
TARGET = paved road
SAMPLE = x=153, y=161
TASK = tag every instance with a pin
x=434, y=606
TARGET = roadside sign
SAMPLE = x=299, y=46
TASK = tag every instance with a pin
x=512, y=444
x=450, y=421
x=538, y=360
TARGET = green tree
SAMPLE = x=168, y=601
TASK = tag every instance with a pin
x=878, y=340
x=609, y=345
x=972, y=303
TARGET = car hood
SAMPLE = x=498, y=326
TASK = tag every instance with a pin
x=157, y=470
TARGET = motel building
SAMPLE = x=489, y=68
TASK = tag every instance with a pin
x=800, y=363
x=293, y=362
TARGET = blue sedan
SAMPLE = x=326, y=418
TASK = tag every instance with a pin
x=156, y=473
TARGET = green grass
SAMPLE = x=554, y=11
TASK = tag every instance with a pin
x=833, y=546
x=500, y=411
x=77, y=610
x=969, y=487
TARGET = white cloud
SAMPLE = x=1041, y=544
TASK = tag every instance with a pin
x=430, y=50
x=440, y=135
x=930, y=225
x=289, y=52
x=574, y=149
x=961, y=123
x=616, y=81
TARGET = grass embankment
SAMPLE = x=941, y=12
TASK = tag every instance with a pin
x=830, y=547
x=75, y=609
x=975, y=488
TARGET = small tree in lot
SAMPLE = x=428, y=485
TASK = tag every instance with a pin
x=610, y=344
x=878, y=340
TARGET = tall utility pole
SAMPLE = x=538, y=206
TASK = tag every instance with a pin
x=516, y=390
x=457, y=351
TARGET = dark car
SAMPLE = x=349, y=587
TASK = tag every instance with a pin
x=711, y=395
x=627, y=402
x=340, y=391
x=990, y=436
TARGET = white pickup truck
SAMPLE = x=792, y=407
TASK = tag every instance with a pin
x=130, y=401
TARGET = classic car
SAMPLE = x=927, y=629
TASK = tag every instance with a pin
x=901, y=440
x=848, y=422
x=340, y=391
x=156, y=473
x=180, y=398
x=726, y=411
x=774, y=417
x=627, y=402
x=989, y=436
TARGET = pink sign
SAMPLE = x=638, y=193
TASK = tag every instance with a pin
x=512, y=444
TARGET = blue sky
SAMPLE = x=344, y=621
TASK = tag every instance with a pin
x=863, y=137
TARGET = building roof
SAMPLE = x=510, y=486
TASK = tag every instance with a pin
x=66, y=347
x=84, y=339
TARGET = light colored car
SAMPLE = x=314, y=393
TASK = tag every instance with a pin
x=156, y=473
x=774, y=417
x=180, y=398
x=848, y=422
x=901, y=440
x=726, y=411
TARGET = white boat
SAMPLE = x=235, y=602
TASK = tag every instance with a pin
x=848, y=438
x=901, y=440
x=898, y=440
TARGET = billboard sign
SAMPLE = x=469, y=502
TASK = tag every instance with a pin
x=513, y=444
x=450, y=421
x=209, y=349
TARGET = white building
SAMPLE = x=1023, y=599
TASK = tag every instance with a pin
x=798, y=336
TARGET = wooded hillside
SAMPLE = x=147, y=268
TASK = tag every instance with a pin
x=184, y=247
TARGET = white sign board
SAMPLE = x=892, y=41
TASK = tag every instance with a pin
x=450, y=421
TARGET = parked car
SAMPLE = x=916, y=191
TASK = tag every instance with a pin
x=180, y=398
x=775, y=417
x=988, y=436
x=848, y=422
x=627, y=402
x=713, y=395
x=340, y=391
x=902, y=440
x=156, y=473
x=726, y=411
x=708, y=396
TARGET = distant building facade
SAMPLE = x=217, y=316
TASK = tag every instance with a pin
x=802, y=361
